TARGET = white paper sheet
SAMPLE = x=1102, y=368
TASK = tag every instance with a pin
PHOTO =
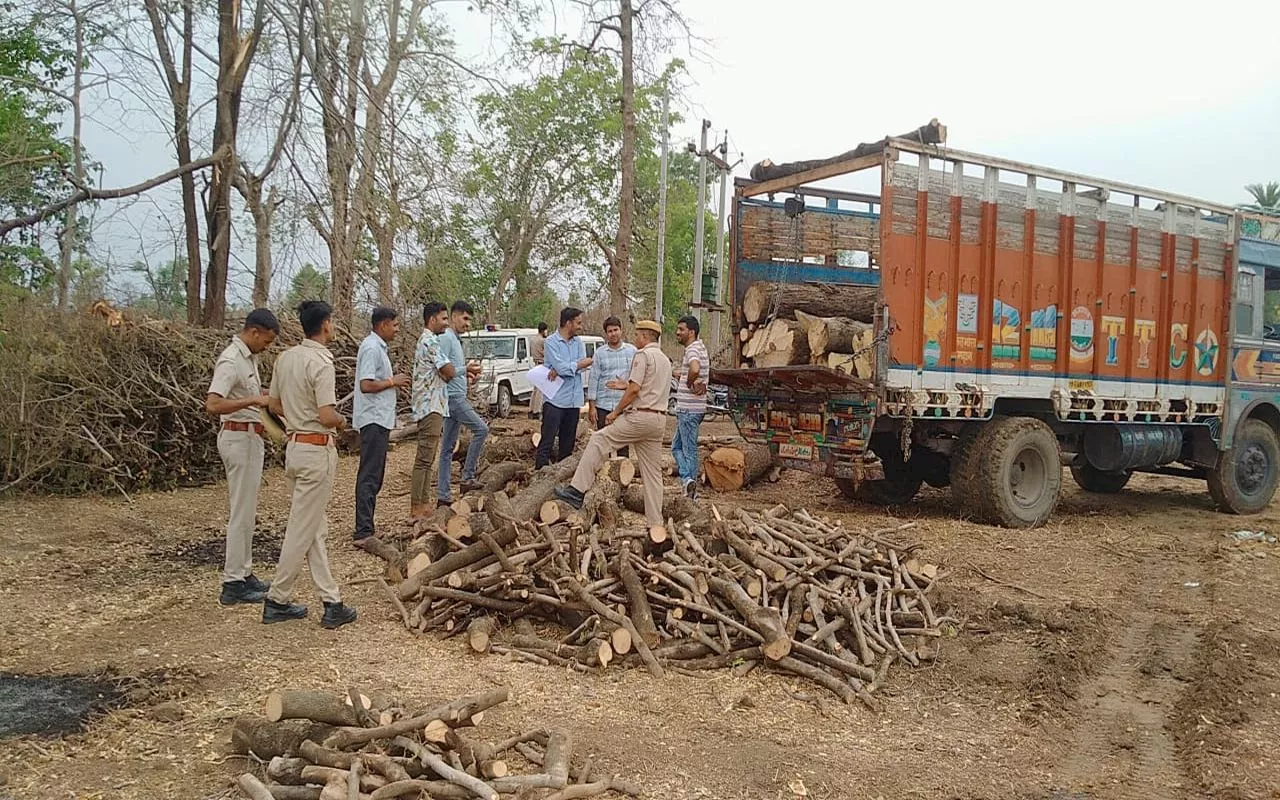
x=540, y=377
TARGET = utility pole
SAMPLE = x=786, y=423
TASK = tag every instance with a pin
x=724, y=187
x=699, y=230
x=662, y=212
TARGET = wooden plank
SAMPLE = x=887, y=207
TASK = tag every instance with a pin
x=817, y=174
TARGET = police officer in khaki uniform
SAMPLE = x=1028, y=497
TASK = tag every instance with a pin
x=302, y=392
x=639, y=421
x=235, y=395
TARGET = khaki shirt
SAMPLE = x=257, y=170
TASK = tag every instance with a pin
x=303, y=382
x=537, y=348
x=652, y=370
x=235, y=377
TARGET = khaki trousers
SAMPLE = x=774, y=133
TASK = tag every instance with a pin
x=241, y=453
x=309, y=471
x=430, y=429
x=642, y=432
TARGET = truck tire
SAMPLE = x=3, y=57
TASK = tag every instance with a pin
x=1245, y=477
x=1018, y=472
x=964, y=472
x=1092, y=479
x=505, y=400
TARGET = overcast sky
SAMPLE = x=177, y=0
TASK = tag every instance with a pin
x=1180, y=98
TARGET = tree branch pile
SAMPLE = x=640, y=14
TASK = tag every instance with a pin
x=781, y=589
x=113, y=402
x=319, y=745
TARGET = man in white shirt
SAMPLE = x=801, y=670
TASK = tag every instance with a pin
x=235, y=397
x=374, y=414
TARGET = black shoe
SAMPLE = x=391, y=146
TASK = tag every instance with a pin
x=281, y=612
x=470, y=486
x=444, y=504
x=336, y=615
x=570, y=495
x=242, y=591
x=254, y=583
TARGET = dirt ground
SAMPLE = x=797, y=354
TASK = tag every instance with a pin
x=1129, y=649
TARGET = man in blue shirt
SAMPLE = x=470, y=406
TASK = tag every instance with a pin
x=374, y=414
x=566, y=356
x=610, y=367
x=460, y=410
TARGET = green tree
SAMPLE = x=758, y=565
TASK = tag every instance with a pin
x=545, y=159
x=1265, y=195
x=308, y=283
x=31, y=154
x=166, y=288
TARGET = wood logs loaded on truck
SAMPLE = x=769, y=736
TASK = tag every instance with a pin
x=980, y=324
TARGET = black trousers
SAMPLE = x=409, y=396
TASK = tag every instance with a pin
x=373, y=463
x=601, y=413
x=557, y=424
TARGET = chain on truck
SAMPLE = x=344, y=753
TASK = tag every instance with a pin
x=1019, y=320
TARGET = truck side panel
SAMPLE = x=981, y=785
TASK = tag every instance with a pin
x=1025, y=287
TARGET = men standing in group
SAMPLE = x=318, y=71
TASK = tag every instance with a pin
x=610, y=367
x=373, y=413
x=537, y=350
x=691, y=402
x=566, y=355
x=639, y=420
x=432, y=372
x=235, y=395
x=302, y=392
x=461, y=411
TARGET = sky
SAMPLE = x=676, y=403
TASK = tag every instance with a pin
x=1178, y=97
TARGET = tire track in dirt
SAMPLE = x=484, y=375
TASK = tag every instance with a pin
x=1123, y=744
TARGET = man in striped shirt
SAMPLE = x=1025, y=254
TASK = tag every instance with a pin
x=609, y=370
x=691, y=402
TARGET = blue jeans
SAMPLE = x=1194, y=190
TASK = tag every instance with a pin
x=684, y=445
x=460, y=413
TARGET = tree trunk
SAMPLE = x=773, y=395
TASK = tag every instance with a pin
x=832, y=334
x=235, y=53
x=731, y=468
x=620, y=266
x=67, y=238
x=179, y=88
x=779, y=344
x=781, y=300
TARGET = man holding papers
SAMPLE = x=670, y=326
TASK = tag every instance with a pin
x=566, y=358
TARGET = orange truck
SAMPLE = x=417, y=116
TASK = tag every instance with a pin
x=1027, y=319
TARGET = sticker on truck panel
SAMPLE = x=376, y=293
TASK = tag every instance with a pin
x=800, y=452
x=1081, y=336
x=1206, y=352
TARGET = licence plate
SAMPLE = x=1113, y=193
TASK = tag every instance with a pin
x=802, y=452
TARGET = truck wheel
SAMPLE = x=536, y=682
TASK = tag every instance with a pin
x=1245, y=477
x=888, y=492
x=1092, y=479
x=1019, y=472
x=964, y=471
x=505, y=400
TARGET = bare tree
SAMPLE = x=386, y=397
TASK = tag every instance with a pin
x=235, y=54
x=349, y=82
x=619, y=18
x=250, y=181
x=178, y=83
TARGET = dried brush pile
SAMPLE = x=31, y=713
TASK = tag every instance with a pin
x=109, y=402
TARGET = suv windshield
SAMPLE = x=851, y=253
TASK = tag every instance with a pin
x=489, y=346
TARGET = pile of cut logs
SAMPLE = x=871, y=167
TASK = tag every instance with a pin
x=326, y=746
x=780, y=589
x=802, y=323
